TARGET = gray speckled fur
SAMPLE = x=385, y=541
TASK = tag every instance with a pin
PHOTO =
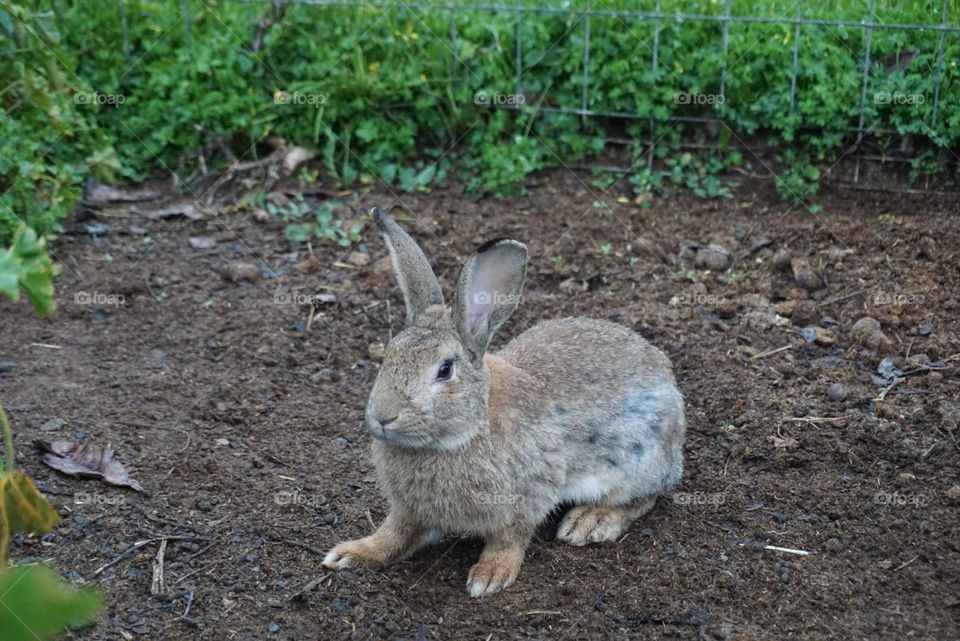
x=550, y=441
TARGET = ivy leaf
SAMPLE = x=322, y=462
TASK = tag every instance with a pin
x=38, y=605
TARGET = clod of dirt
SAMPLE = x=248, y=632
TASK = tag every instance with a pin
x=77, y=459
x=714, y=257
x=375, y=351
x=804, y=313
x=833, y=545
x=804, y=275
x=867, y=332
x=917, y=360
x=239, y=271
x=781, y=260
x=261, y=215
x=837, y=392
x=358, y=259
x=954, y=493
x=885, y=409
x=928, y=248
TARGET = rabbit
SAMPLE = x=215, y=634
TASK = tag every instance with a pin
x=572, y=411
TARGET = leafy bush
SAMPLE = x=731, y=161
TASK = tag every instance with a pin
x=407, y=95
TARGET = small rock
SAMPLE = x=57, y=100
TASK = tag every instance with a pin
x=804, y=313
x=6, y=366
x=222, y=442
x=809, y=334
x=375, y=351
x=340, y=442
x=804, y=275
x=260, y=215
x=824, y=337
x=954, y=493
x=867, y=332
x=286, y=573
x=887, y=371
x=714, y=257
x=53, y=425
x=239, y=271
x=273, y=627
x=925, y=329
x=383, y=266
x=358, y=259
x=786, y=307
x=837, y=392
x=95, y=229
x=274, y=603
x=202, y=242
x=646, y=531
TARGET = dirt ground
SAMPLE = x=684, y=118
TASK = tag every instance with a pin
x=243, y=423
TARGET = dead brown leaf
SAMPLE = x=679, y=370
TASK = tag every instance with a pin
x=87, y=460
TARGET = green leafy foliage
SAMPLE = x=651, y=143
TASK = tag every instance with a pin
x=34, y=603
x=413, y=96
x=38, y=605
x=26, y=267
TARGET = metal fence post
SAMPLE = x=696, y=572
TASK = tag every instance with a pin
x=937, y=74
x=796, y=58
x=185, y=10
x=585, y=86
x=124, y=31
x=866, y=80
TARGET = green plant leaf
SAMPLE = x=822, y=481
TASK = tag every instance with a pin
x=24, y=508
x=36, y=604
x=28, y=263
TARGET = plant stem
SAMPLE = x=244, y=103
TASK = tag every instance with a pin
x=7, y=442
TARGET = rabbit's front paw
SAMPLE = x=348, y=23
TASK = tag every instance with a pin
x=353, y=553
x=492, y=574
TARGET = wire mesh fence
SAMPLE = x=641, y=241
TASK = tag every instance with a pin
x=805, y=15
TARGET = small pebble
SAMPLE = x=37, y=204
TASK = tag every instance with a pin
x=837, y=392
x=239, y=271
x=53, y=425
x=273, y=626
x=5, y=366
x=358, y=259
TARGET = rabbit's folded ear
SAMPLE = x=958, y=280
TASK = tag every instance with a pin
x=488, y=291
x=417, y=281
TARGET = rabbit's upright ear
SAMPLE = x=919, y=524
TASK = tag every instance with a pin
x=417, y=281
x=488, y=291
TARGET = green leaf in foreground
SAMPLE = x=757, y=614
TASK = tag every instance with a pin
x=26, y=266
x=36, y=604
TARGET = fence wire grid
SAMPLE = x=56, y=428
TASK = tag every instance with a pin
x=949, y=23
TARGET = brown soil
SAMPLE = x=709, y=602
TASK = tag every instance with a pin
x=245, y=428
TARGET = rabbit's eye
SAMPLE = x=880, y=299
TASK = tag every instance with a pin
x=445, y=371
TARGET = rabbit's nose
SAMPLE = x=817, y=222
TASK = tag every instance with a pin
x=385, y=422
